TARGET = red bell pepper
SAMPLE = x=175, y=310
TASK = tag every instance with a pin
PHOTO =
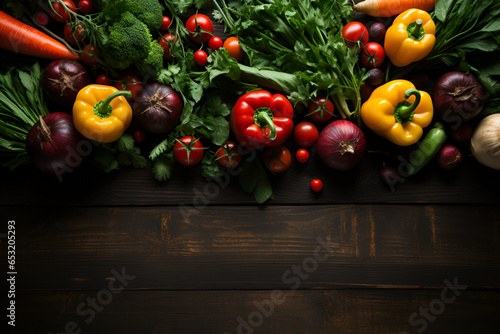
x=261, y=119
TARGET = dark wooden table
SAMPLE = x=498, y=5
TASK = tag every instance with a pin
x=122, y=253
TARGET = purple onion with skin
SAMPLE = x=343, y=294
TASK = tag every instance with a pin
x=54, y=145
x=449, y=157
x=63, y=79
x=158, y=108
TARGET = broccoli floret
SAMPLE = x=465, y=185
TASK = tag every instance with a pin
x=128, y=40
x=150, y=12
x=151, y=65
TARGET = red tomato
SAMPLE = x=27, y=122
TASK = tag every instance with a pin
x=59, y=13
x=372, y=55
x=69, y=35
x=42, y=18
x=305, y=134
x=200, y=58
x=302, y=155
x=166, y=42
x=229, y=155
x=188, y=151
x=232, y=44
x=85, y=6
x=139, y=135
x=104, y=79
x=215, y=43
x=166, y=23
x=320, y=109
x=277, y=159
x=129, y=81
x=355, y=34
x=200, y=25
x=316, y=185
x=90, y=48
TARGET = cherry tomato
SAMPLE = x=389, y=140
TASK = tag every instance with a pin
x=59, y=13
x=215, y=43
x=316, y=185
x=232, y=44
x=200, y=25
x=42, y=18
x=229, y=155
x=139, y=135
x=166, y=42
x=200, y=58
x=305, y=134
x=302, y=155
x=73, y=37
x=277, y=159
x=104, y=79
x=355, y=34
x=320, y=109
x=129, y=81
x=372, y=55
x=85, y=6
x=166, y=23
x=90, y=48
x=188, y=151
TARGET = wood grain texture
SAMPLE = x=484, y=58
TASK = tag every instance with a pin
x=244, y=247
x=295, y=312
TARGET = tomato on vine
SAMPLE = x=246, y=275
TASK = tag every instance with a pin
x=316, y=185
x=320, y=109
x=59, y=13
x=200, y=58
x=131, y=82
x=277, y=159
x=232, y=44
x=188, y=151
x=372, y=55
x=215, y=43
x=305, y=134
x=85, y=6
x=229, y=155
x=76, y=36
x=87, y=60
x=139, y=135
x=302, y=155
x=355, y=34
x=200, y=27
x=166, y=42
x=104, y=79
x=165, y=23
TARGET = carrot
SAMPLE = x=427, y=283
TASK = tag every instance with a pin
x=388, y=8
x=19, y=37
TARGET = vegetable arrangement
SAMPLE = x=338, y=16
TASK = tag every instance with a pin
x=148, y=83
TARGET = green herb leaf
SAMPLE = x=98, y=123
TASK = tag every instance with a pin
x=442, y=8
x=263, y=190
x=248, y=176
x=163, y=167
x=125, y=142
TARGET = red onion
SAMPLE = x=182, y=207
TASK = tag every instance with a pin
x=158, y=108
x=63, y=79
x=458, y=97
x=55, y=146
x=375, y=77
x=377, y=32
x=449, y=157
x=462, y=133
x=341, y=145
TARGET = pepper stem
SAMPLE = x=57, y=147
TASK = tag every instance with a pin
x=404, y=111
x=415, y=30
x=103, y=109
x=264, y=118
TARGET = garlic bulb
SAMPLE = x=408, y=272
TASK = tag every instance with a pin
x=485, y=142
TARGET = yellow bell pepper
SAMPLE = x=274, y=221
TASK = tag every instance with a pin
x=410, y=38
x=398, y=112
x=102, y=113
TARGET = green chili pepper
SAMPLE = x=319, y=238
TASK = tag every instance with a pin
x=429, y=147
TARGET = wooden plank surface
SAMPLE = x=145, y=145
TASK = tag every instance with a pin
x=292, y=312
x=248, y=247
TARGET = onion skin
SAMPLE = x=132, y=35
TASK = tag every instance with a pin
x=449, y=157
x=458, y=97
x=341, y=145
x=485, y=142
x=63, y=79
x=158, y=108
x=54, y=145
